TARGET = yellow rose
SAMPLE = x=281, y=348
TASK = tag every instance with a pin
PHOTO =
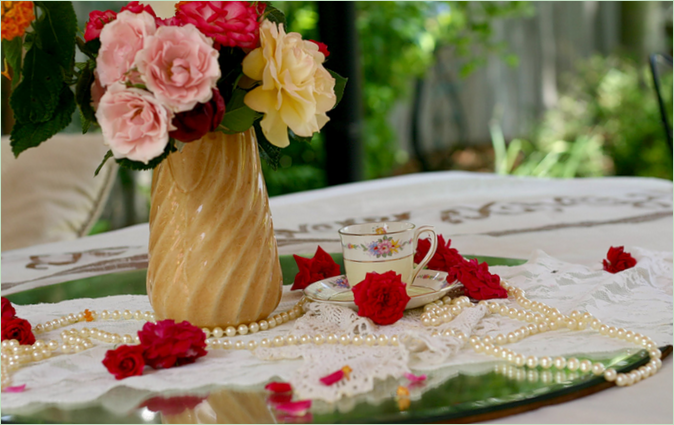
x=296, y=89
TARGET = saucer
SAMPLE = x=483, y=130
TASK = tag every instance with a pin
x=429, y=286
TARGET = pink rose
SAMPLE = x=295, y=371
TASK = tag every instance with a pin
x=230, y=23
x=97, y=91
x=97, y=20
x=180, y=66
x=120, y=41
x=135, y=125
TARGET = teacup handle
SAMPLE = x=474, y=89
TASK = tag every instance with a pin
x=431, y=250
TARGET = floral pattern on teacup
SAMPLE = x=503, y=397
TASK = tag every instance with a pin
x=342, y=282
x=384, y=247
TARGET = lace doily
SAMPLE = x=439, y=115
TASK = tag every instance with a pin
x=639, y=299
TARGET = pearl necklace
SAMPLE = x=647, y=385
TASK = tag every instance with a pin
x=542, y=319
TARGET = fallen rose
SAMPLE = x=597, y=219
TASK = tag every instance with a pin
x=445, y=259
x=321, y=266
x=167, y=344
x=478, y=283
x=618, y=260
x=125, y=361
x=8, y=311
x=381, y=297
x=18, y=329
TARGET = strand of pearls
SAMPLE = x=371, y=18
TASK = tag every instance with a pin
x=544, y=318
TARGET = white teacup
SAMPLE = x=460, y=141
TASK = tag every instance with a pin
x=380, y=247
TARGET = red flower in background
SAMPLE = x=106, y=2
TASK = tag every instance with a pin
x=125, y=361
x=194, y=124
x=321, y=266
x=97, y=20
x=618, y=260
x=229, y=23
x=8, y=311
x=479, y=283
x=322, y=47
x=445, y=259
x=167, y=344
x=18, y=329
x=136, y=7
x=381, y=297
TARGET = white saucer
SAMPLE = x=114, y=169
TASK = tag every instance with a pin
x=429, y=286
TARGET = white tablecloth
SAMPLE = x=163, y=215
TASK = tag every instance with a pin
x=573, y=220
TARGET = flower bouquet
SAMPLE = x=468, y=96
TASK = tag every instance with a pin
x=199, y=96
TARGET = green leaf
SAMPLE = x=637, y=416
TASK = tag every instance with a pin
x=238, y=116
x=28, y=135
x=89, y=48
x=13, y=50
x=36, y=97
x=57, y=28
x=294, y=136
x=83, y=95
x=340, y=85
x=270, y=153
x=274, y=15
x=137, y=165
x=107, y=156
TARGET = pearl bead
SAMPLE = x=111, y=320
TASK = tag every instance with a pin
x=357, y=340
x=370, y=340
x=218, y=332
x=332, y=339
x=532, y=361
x=292, y=314
x=127, y=339
x=585, y=366
x=511, y=337
x=573, y=364
x=285, y=317
x=519, y=360
x=629, y=336
x=138, y=315
x=52, y=345
x=318, y=339
x=127, y=315
x=478, y=347
x=242, y=329
x=610, y=375
x=226, y=344
x=595, y=324
x=655, y=353
x=559, y=362
x=291, y=339
x=278, y=341
x=383, y=340
x=426, y=321
x=265, y=343
x=500, y=339
x=264, y=325
x=239, y=345
x=304, y=339
x=252, y=345
x=598, y=369
x=253, y=327
x=394, y=341
x=115, y=315
x=545, y=362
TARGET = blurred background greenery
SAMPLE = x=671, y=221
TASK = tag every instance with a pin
x=548, y=89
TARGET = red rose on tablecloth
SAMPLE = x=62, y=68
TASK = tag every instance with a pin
x=478, y=283
x=136, y=7
x=8, y=311
x=321, y=266
x=172, y=405
x=125, y=361
x=618, y=260
x=97, y=20
x=18, y=329
x=167, y=343
x=381, y=297
x=193, y=125
x=445, y=259
x=322, y=47
x=229, y=23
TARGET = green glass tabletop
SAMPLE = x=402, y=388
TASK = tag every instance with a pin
x=497, y=391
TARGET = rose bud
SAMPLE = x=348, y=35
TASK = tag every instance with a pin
x=97, y=20
x=193, y=125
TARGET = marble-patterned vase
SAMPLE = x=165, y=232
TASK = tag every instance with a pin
x=213, y=259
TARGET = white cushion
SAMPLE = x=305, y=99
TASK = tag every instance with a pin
x=49, y=193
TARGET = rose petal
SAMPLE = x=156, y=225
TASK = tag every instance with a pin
x=279, y=398
x=15, y=389
x=278, y=387
x=415, y=378
x=333, y=378
x=295, y=407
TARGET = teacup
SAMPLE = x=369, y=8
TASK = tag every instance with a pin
x=384, y=246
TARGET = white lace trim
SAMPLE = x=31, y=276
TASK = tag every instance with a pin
x=638, y=299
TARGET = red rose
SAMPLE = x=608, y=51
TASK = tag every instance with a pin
x=618, y=260
x=135, y=7
x=229, y=23
x=97, y=21
x=381, y=297
x=172, y=405
x=18, y=329
x=167, y=344
x=8, y=311
x=125, y=361
x=320, y=267
x=193, y=125
x=322, y=47
x=478, y=283
x=445, y=259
